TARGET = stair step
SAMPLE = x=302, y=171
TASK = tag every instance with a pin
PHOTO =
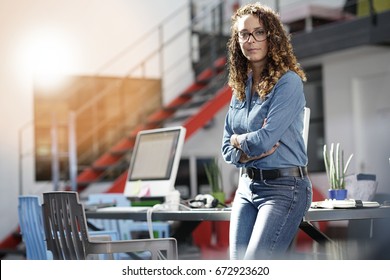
x=105, y=160
x=87, y=175
x=158, y=117
x=177, y=119
x=187, y=110
x=123, y=146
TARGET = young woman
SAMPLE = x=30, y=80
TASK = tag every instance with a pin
x=263, y=136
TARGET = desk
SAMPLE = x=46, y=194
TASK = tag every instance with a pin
x=196, y=215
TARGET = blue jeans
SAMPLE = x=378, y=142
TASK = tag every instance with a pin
x=266, y=216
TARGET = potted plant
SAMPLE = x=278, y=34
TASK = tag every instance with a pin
x=336, y=170
x=214, y=177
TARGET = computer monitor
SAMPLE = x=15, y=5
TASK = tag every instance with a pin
x=154, y=163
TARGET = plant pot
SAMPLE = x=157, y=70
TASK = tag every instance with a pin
x=338, y=194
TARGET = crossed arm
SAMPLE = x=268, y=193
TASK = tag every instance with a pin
x=244, y=157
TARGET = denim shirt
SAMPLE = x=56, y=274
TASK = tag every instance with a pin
x=284, y=109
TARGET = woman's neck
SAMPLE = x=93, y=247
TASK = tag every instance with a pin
x=257, y=70
x=256, y=78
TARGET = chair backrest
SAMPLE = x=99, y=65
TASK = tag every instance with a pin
x=67, y=236
x=306, y=123
x=31, y=227
x=65, y=225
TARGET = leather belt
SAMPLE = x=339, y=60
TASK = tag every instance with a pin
x=262, y=174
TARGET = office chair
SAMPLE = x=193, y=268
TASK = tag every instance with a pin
x=68, y=239
x=31, y=227
x=306, y=123
x=32, y=231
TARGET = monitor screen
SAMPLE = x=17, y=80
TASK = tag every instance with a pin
x=154, y=162
x=154, y=155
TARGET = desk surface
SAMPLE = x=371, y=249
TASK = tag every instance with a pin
x=312, y=215
x=197, y=215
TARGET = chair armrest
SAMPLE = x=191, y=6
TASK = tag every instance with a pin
x=124, y=246
x=104, y=238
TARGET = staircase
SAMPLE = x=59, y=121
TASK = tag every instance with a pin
x=193, y=109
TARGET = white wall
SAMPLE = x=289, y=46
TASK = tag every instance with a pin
x=357, y=109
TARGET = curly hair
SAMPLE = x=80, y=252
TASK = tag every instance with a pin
x=280, y=56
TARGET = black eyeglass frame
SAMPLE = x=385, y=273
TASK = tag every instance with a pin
x=249, y=34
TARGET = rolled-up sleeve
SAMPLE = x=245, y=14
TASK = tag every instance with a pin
x=230, y=154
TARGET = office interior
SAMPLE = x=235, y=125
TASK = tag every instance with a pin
x=104, y=68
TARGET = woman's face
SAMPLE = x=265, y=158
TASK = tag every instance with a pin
x=252, y=39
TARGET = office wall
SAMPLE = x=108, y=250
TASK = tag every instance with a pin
x=357, y=108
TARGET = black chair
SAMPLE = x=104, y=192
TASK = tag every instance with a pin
x=68, y=239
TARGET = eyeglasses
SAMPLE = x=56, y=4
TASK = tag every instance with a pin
x=259, y=35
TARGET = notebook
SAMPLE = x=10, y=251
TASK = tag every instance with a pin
x=348, y=203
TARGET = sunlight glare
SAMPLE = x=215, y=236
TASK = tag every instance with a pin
x=49, y=57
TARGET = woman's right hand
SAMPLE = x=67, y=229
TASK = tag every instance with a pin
x=244, y=158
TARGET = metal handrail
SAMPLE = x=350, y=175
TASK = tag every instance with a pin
x=140, y=40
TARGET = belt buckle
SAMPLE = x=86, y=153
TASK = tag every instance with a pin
x=302, y=172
